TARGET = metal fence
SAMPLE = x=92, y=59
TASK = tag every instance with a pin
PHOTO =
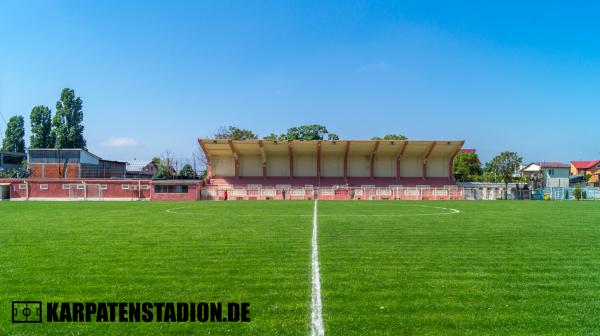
x=287, y=192
x=587, y=193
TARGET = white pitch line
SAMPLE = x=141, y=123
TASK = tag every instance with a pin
x=317, y=328
x=448, y=211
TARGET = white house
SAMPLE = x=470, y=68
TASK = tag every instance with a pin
x=547, y=174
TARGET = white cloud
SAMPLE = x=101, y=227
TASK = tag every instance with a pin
x=120, y=142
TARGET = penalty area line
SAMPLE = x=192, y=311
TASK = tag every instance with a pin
x=317, y=327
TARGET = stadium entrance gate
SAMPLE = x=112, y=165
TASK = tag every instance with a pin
x=76, y=191
x=85, y=191
x=93, y=191
x=4, y=191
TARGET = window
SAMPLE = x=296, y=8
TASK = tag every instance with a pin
x=11, y=159
x=125, y=186
x=171, y=189
x=145, y=187
x=103, y=187
x=550, y=172
x=43, y=187
x=598, y=166
x=66, y=186
x=22, y=186
x=54, y=155
x=80, y=186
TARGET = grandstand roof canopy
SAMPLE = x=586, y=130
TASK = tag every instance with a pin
x=225, y=147
x=372, y=159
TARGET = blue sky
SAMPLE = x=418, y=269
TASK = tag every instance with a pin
x=156, y=75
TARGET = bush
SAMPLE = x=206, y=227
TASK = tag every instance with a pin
x=162, y=172
x=577, y=192
x=187, y=172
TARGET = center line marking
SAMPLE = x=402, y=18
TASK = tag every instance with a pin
x=317, y=328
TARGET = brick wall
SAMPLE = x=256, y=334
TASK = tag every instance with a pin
x=78, y=189
x=97, y=189
x=193, y=194
x=54, y=170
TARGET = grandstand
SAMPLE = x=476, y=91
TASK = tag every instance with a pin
x=344, y=169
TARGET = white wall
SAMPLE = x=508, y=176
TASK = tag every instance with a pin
x=332, y=165
x=411, y=166
x=305, y=165
x=358, y=166
x=385, y=166
x=437, y=167
x=222, y=166
x=250, y=165
x=278, y=165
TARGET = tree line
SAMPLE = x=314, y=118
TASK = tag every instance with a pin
x=63, y=130
x=501, y=168
x=302, y=133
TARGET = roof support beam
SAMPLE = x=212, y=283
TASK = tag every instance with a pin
x=346, y=159
x=208, y=164
x=236, y=160
x=425, y=158
x=319, y=159
x=451, y=161
x=291, y=155
x=264, y=158
x=372, y=160
x=399, y=157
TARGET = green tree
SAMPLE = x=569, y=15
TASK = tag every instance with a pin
x=466, y=166
x=41, y=128
x=67, y=128
x=14, y=136
x=241, y=134
x=306, y=133
x=162, y=172
x=156, y=160
x=272, y=137
x=234, y=133
x=332, y=136
x=505, y=166
x=187, y=171
x=390, y=137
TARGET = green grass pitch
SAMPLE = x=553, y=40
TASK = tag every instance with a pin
x=387, y=267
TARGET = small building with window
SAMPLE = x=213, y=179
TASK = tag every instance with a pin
x=99, y=189
x=71, y=163
x=170, y=190
x=546, y=174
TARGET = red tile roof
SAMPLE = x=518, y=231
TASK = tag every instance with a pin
x=468, y=150
x=553, y=165
x=585, y=164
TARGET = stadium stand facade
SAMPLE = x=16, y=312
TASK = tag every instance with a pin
x=344, y=169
